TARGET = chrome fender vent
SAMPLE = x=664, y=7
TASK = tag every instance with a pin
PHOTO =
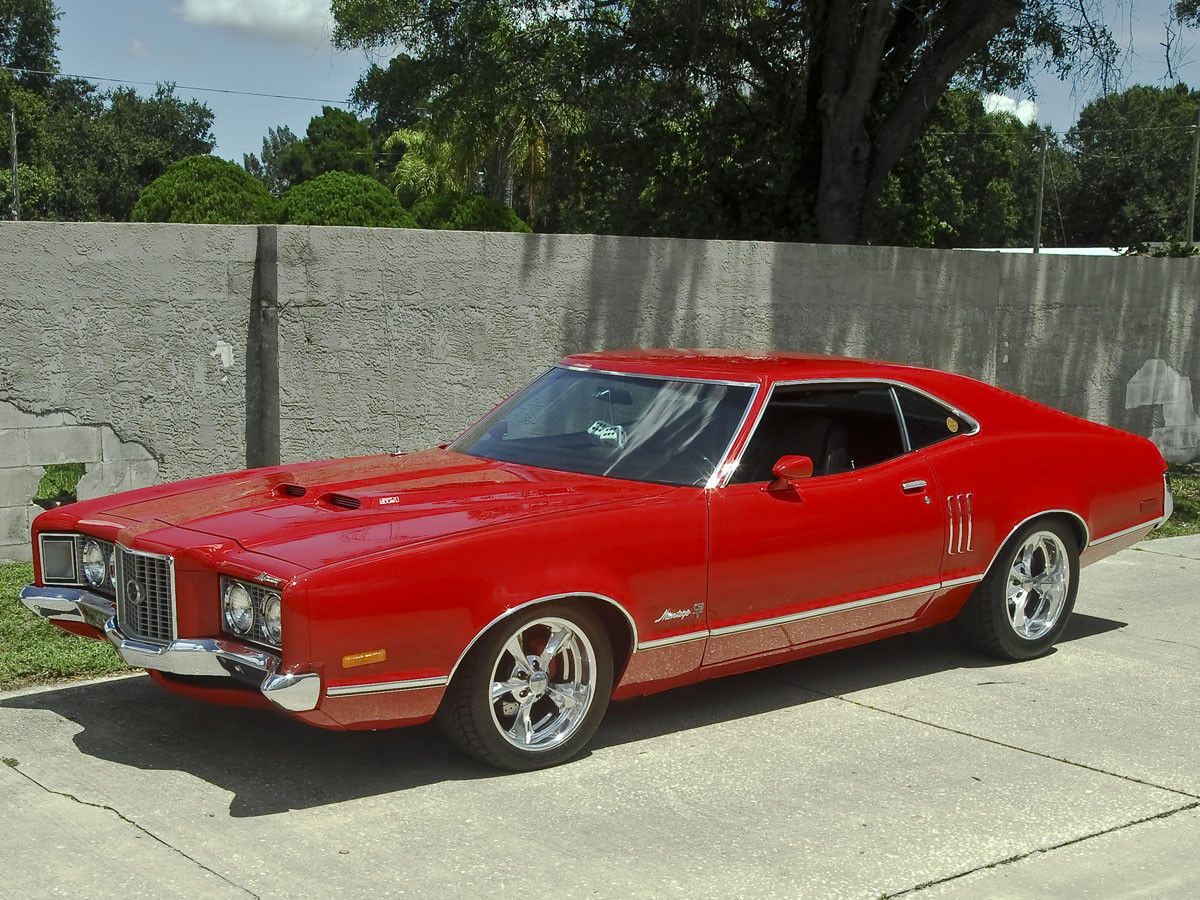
x=960, y=515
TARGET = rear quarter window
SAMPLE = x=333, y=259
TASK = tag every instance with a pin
x=928, y=422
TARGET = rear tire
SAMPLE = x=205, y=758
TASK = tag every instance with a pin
x=1023, y=603
x=532, y=692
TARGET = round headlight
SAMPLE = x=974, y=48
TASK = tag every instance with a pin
x=273, y=619
x=95, y=564
x=239, y=609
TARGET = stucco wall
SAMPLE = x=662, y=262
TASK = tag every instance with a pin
x=129, y=338
x=402, y=338
x=348, y=340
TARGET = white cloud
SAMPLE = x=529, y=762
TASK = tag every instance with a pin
x=1025, y=111
x=298, y=21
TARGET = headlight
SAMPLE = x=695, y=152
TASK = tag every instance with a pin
x=253, y=611
x=239, y=608
x=272, y=623
x=95, y=564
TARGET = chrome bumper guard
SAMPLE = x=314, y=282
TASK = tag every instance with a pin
x=206, y=657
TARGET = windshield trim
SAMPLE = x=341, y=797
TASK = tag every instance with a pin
x=657, y=377
x=717, y=475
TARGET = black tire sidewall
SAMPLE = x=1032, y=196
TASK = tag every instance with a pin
x=477, y=675
x=995, y=585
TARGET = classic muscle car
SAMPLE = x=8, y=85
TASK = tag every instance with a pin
x=627, y=523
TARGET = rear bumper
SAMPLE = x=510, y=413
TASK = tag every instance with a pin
x=204, y=657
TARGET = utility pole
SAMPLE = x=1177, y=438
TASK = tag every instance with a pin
x=1195, y=163
x=12, y=152
x=1037, y=213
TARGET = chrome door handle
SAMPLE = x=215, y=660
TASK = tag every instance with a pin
x=911, y=487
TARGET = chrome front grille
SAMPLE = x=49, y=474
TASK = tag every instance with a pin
x=146, y=595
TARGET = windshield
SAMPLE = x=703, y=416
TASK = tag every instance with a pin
x=622, y=426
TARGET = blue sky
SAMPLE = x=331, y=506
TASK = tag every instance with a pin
x=268, y=46
x=282, y=47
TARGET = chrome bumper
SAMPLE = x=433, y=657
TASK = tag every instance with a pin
x=196, y=656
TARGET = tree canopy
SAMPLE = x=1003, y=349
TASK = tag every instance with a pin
x=29, y=40
x=1133, y=154
x=85, y=153
x=336, y=141
x=269, y=169
x=709, y=118
x=205, y=190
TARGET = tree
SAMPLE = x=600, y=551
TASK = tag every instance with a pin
x=269, y=170
x=107, y=146
x=93, y=151
x=1134, y=153
x=970, y=181
x=29, y=40
x=336, y=141
x=427, y=166
x=340, y=198
x=205, y=190
x=395, y=95
x=716, y=117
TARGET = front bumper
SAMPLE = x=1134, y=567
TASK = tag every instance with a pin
x=205, y=657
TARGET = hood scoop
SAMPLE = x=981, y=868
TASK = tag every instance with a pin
x=343, y=501
x=290, y=489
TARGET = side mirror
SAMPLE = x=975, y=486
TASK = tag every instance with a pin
x=790, y=470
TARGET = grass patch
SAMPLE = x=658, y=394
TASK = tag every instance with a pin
x=32, y=651
x=1185, y=483
x=60, y=480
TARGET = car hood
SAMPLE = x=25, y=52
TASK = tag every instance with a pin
x=315, y=514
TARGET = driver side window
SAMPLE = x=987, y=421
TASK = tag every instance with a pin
x=839, y=427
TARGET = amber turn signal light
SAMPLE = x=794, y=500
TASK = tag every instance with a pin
x=350, y=660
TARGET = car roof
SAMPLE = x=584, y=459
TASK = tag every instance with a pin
x=741, y=365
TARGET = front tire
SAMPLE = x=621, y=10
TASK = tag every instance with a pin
x=532, y=692
x=1022, y=605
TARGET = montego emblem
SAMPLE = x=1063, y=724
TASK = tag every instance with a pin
x=669, y=615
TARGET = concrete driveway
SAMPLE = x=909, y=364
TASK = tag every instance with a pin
x=909, y=767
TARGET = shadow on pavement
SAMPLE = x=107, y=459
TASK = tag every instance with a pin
x=272, y=764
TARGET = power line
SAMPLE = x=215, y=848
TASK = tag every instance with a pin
x=185, y=87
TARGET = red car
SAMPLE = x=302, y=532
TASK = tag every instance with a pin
x=627, y=523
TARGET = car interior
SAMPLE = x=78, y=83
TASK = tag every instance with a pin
x=840, y=429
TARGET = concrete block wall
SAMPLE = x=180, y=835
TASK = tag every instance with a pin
x=402, y=338
x=30, y=442
x=166, y=351
x=123, y=347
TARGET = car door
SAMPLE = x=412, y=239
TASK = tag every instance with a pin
x=858, y=546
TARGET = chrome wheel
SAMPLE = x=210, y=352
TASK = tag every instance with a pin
x=543, y=682
x=1038, y=584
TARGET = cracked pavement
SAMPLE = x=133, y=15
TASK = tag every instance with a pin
x=910, y=767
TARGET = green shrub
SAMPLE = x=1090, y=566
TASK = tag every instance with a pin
x=459, y=212
x=435, y=211
x=205, y=190
x=339, y=198
x=60, y=479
